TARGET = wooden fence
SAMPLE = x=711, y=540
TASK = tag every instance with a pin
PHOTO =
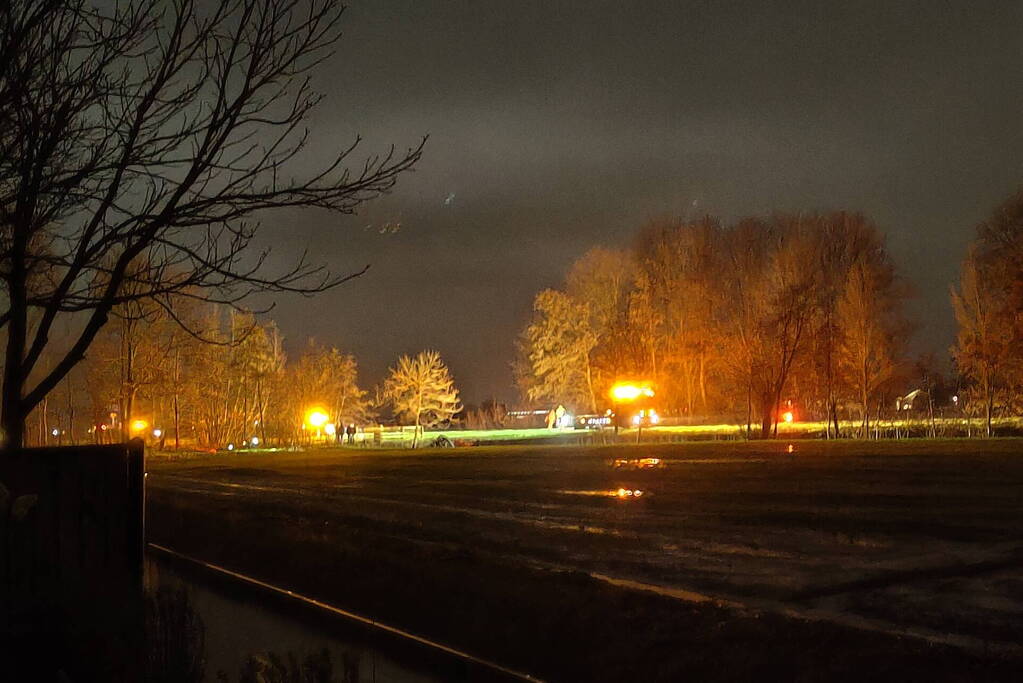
x=71, y=562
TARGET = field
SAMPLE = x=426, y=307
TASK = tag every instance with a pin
x=806, y=560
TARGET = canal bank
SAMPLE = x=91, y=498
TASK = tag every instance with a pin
x=242, y=618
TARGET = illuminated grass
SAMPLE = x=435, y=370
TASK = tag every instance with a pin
x=503, y=434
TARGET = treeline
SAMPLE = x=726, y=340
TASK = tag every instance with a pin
x=206, y=375
x=746, y=320
x=988, y=303
x=732, y=320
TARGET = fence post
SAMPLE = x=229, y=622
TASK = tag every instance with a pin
x=72, y=563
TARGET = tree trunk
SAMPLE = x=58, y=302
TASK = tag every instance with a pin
x=766, y=400
x=834, y=417
x=703, y=382
x=866, y=413
x=177, y=423
x=749, y=409
x=44, y=423
x=177, y=390
x=988, y=409
x=589, y=386
x=14, y=413
x=70, y=413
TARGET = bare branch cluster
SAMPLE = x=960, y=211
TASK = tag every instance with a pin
x=138, y=148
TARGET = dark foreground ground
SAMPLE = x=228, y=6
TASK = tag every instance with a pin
x=842, y=561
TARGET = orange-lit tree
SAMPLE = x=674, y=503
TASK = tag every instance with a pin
x=420, y=390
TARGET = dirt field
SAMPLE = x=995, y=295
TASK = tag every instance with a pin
x=906, y=556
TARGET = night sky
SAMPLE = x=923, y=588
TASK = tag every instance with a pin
x=557, y=126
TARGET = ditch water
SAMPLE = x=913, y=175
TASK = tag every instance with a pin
x=240, y=622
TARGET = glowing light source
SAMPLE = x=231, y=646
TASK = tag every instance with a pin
x=626, y=392
x=230, y=446
x=55, y=432
x=139, y=425
x=788, y=416
x=330, y=429
x=157, y=433
x=254, y=441
x=316, y=418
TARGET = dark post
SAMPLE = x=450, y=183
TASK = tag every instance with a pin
x=71, y=562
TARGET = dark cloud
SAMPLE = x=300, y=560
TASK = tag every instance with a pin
x=555, y=126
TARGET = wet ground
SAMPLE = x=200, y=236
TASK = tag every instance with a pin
x=920, y=538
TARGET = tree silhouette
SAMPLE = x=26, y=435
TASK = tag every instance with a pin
x=138, y=145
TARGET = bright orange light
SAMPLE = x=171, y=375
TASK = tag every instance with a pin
x=629, y=392
x=788, y=416
x=316, y=418
x=139, y=425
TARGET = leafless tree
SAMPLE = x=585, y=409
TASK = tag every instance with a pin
x=154, y=132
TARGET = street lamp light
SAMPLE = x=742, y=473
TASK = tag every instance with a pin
x=316, y=418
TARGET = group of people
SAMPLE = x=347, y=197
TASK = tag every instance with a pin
x=349, y=433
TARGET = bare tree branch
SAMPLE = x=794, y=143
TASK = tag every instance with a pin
x=156, y=133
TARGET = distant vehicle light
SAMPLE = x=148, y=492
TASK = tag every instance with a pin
x=788, y=416
x=254, y=441
x=230, y=446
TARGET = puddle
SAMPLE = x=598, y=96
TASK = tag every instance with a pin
x=638, y=463
x=622, y=493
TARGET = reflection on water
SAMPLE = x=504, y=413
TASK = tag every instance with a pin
x=637, y=463
x=239, y=626
x=621, y=493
